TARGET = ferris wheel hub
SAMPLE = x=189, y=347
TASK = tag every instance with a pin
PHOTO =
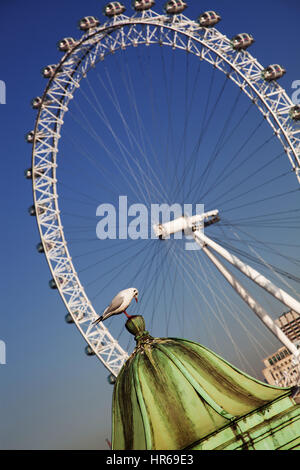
x=186, y=224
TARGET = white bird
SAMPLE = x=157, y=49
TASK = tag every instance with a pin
x=119, y=304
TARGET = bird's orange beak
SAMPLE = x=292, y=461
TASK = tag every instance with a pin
x=136, y=299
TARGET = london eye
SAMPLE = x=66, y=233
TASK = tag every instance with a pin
x=155, y=108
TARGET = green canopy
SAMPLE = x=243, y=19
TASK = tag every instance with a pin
x=173, y=392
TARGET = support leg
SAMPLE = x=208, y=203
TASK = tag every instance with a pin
x=253, y=304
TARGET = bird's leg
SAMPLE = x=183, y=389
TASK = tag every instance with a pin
x=128, y=316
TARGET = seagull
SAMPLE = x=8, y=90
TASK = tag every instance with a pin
x=119, y=304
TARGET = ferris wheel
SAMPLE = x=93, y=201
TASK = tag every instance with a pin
x=134, y=159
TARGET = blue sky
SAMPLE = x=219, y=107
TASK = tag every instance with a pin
x=52, y=395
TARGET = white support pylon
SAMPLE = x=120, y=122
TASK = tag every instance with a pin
x=251, y=273
x=253, y=304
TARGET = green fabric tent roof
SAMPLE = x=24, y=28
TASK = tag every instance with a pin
x=172, y=392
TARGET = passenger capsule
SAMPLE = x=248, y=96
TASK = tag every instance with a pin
x=30, y=136
x=49, y=71
x=295, y=112
x=53, y=282
x=88, y=22
x=40, y=248
x=89, y=351
x=32, y=211
x=111, y=379
x=66, y=44
x=242, y=41
x=69, y=319
x=173, y=7
x=37, y=174
x=114, y=9
x=28, y=174
x=209, y=18
x=142, y=5
x=37, y=102
x=273, y=72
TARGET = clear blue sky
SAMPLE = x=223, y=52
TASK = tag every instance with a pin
x=52, y=395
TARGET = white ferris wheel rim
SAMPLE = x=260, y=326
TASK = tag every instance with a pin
x=146, y=29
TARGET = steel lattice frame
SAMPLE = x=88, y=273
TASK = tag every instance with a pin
x=179, y=32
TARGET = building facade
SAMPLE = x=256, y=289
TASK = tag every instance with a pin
x=278, y=366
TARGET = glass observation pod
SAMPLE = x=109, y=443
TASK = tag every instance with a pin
x=141, y=5
x=273, y=72
x=66, y=44
x=53, y=283
x=89, y=351
x=49, y=71
x=242, y=41
x=113, y=9
x=32, y=211
x=88, y=22
x=111, y=379
x=38, y=173
x=37, y=102
x=209, y=18
x=173, y=7
x=28, y=174
x=69, y=319
x=40, y=248
x=295, y=112
x=29, y=137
